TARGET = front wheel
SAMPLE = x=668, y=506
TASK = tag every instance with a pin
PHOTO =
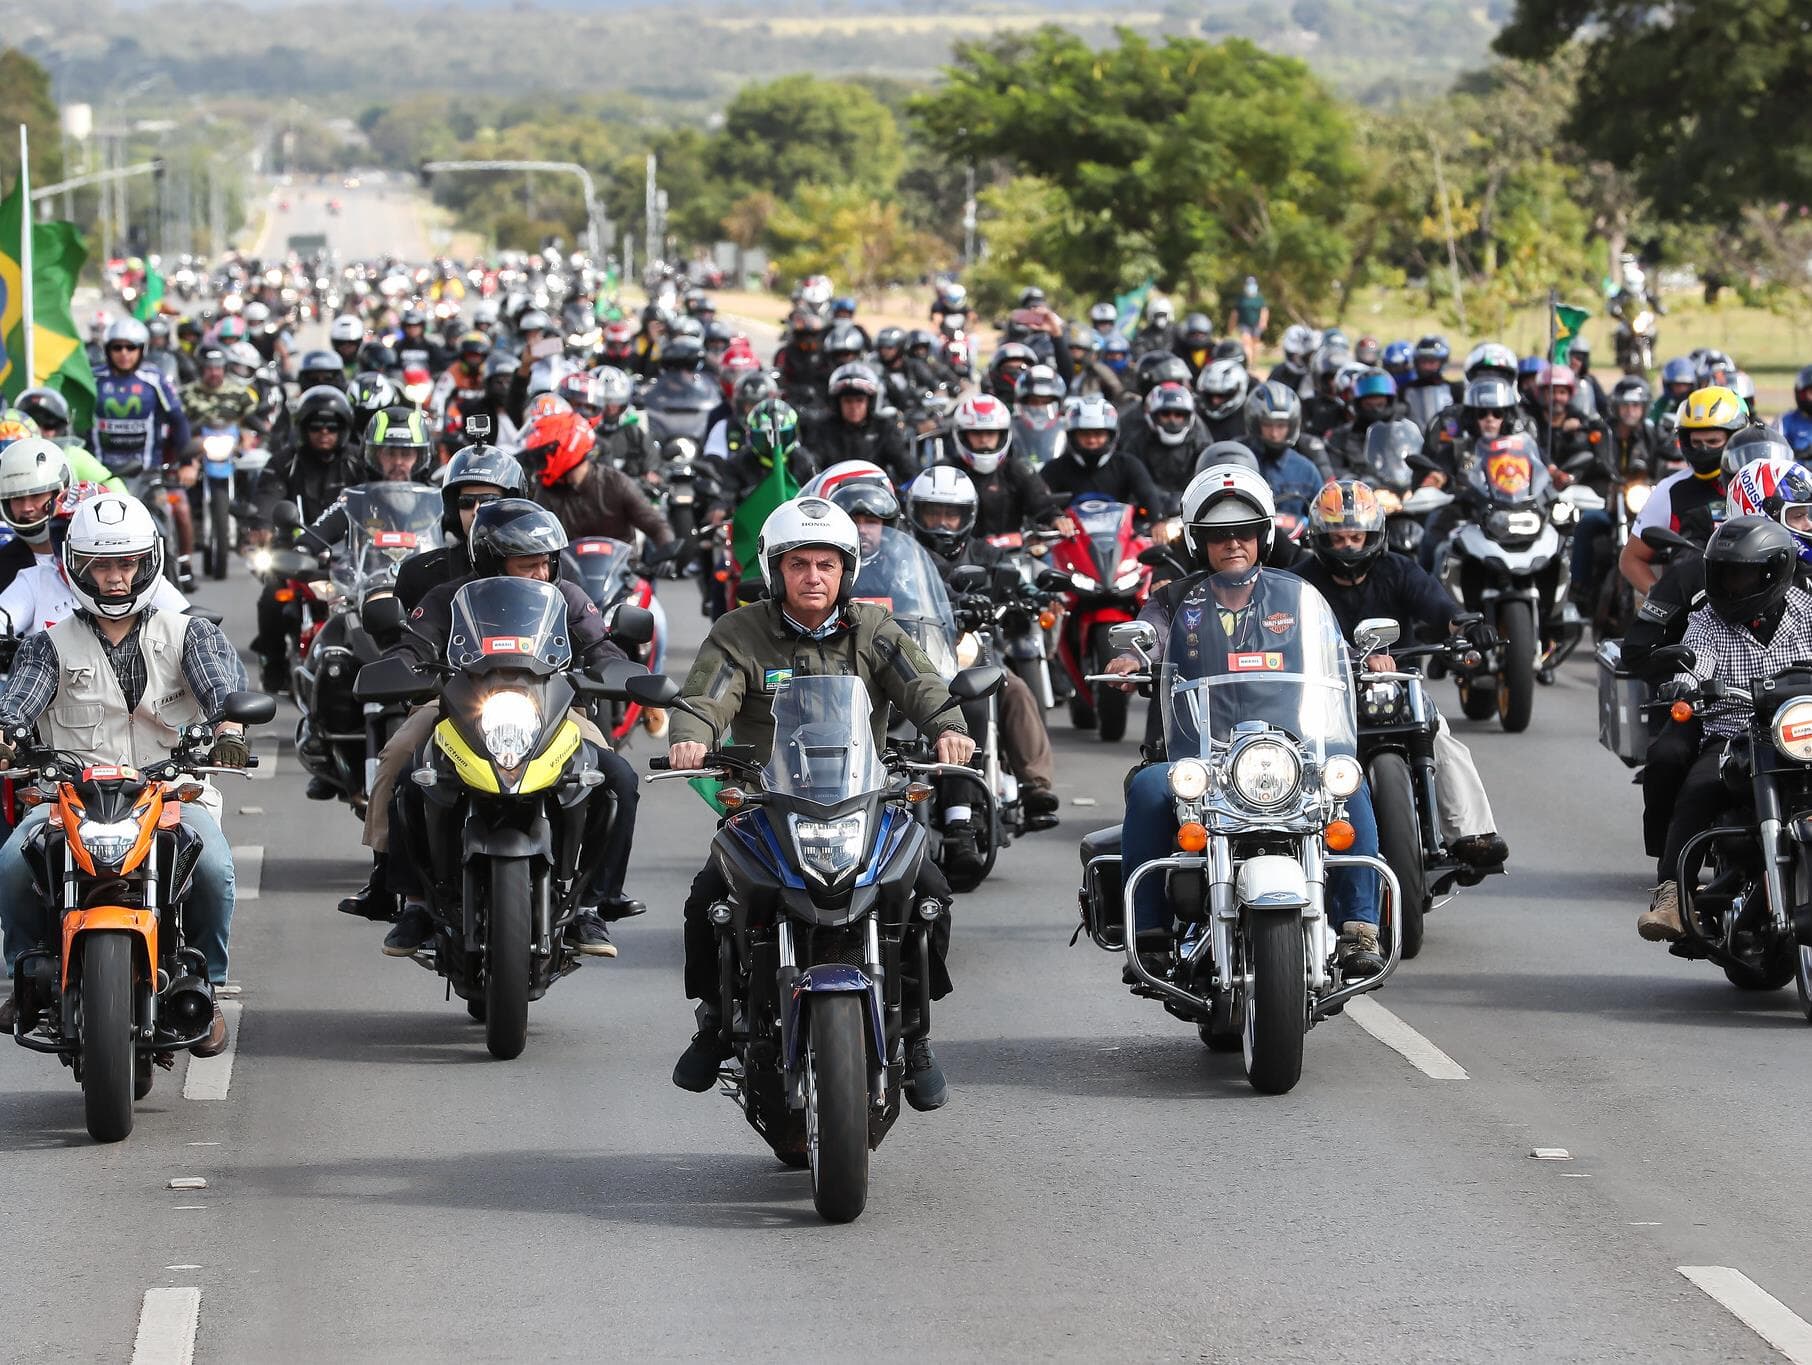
x=219, y=526
x=1110, y=702
x=1400, y=840
x=1277, y=1000
x=108, y=1077
x=506, y=951
x=1770, y=974
x=1516, y=684
x=836, y=1108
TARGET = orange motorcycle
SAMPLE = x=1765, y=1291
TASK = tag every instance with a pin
x=118, y=991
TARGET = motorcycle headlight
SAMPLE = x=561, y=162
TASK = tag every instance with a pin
x=1564, y=513
x=218, y=447
x=1341, y=775
x=968, y=649
x=1188, y=779
x=108, y=844
x=509, y=721
x=1793, y=729
x=1635, y=497
x=1379, y=700
x=1266, y=773
x=261, y=560
x=829, y=849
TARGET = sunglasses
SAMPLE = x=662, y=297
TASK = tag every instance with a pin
x=113, y=346
x=467, y=501
x=1223, y=535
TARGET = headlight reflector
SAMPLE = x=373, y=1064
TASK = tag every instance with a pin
x=509, y=720
x=1793, y=729
x=1342, y=775
x=830, y=849
x=1266, y=773
x=108, y=844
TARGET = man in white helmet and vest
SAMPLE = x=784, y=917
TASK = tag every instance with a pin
x=117, y=683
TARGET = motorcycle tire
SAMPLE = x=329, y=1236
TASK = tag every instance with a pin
x=1110, y=702
x=107, y=1029
x=1516, y=684
x=1082, y=711
x=219, y=529
x=144, y=1074
x=1775, y=971
x=1802, y=958
x=1475, y=702
x=507, y=964
x=1400, y=843
x=1216, y=1041
x=1276, y=1001
x=836, y=1107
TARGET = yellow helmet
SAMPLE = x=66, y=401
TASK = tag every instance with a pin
x=1713, y=409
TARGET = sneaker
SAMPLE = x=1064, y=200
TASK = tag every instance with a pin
x=413, y=928
x=590, y=936
x=1660, y=923
x=925, y=1088
x=704, y=1056
x=1358, y=954
x=1481, y=850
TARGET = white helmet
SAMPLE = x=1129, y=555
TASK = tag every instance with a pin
x=129, y=330
x=345, y=328
x=27, y=466
x=108, y=527
x=1223, y=388
x=1298, y=342
x=801, y=522
x=982, y=412
x=1228, y=495
x=257, y=314
x=827, y=481
x=942, y=486
x=246, y=356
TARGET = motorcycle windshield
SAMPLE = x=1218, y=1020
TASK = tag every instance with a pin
x=1279, y=660
x=1508, y=479
x=678, y=404
x=601, y=565
x=517, y=623
x=1101, y=520
x=824, y=746
x=1038, y=436
x=1388, y=446
x=388, y=523
x=898, y=573
x=1426, y=401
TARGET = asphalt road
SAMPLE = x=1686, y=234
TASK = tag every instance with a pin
x=1099, y=1186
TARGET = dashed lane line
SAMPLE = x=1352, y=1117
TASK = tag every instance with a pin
x=248, y=871
x=209, y=1077
x=1388, y=1029
x=166, y=1327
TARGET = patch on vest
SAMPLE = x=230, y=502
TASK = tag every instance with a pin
x=1255, y=663
x=771, y=678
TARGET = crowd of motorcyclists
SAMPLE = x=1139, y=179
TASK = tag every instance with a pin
x=1130, y=502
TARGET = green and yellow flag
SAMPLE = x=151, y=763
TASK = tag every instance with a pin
x=779, y=486
x=151, y=296
x=58, y=358
x=1568, y=321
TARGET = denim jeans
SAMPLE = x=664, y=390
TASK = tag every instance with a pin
x=1150, y=831
x=1585, y=544
x=206, y=919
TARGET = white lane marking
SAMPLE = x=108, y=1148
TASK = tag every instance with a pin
x=1423, y=1055
x=1551, y=1154
x=188, y=1182
x=208, y=1077
x=248, y=871
x=1756, y=1308
x=166, y=1327
x=251, y=810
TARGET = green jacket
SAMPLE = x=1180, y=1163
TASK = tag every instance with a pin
x=752, y=649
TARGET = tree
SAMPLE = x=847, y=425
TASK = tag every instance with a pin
x=25, y=98
x=844, y=232
x=1702, y=100
x=801, y=130
x=1193, y=162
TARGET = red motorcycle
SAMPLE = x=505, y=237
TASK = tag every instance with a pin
x=1098, y=568
x=611, y=573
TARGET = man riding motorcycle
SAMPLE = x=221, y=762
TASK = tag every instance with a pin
x=139, y=424
x=1351, y=569
x=41, y=595
x=1229, y=522
x=857, y=427
x=34, y=473
x=214, y=399
x=118, y=682
x=1692, y=501
x=1795, y=424
x=1169, y=439
x=1011, y=495
x=477, y=475
x=1089, y=463
x=515, y=537
x=621, y=438
x=589, y=497
x=1274, y=430
x=808, y=552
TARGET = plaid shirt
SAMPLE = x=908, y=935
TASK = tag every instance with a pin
x=1734, y=656
x=210, y=665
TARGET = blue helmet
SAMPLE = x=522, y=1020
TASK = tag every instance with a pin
x=1116, y=352
x=1374, y=384
x=1397, y=358
x=1679, y=370
x=1530, y=366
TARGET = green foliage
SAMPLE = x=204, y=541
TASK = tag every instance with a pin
x=799, y=130
x=848, y=234
x=1197, y=162
x=25, y=98
x=1703, y=100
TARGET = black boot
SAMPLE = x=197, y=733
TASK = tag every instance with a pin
x=698, y=1065
x=374, y=900
x=925, y=1088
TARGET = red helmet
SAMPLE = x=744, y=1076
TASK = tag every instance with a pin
x=619, y=338
x=733, y=364
x=558, y=442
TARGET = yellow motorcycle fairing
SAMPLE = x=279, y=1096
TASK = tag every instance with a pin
x=480, y=774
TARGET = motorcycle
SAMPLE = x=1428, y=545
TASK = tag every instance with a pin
x=1509, y=565
x=1026, y=614
x=823, y=953
x=509, y=816
x=1389, y=449
x=679, y=403
x=219, y=452
x=1100, y=570
x=1263, y=757
x=1636, y=334
x=117, y=991
x=611, y=574
x=337, y=738
x=1397, y=724
x=1753, y=913
x=679, y=483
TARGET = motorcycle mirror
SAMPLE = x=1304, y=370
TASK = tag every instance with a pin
x=652, y=689
x=969, y=578
x=1585, y=499
x=1054, y=580
x=382, y=616
x=1425, y=500
x=213, y=618
x=612, y=682
x=977, y=682
x=1661, y=538
x=1666, y=661
x=390, y=680
x=1138, y=637
x=1006, y=579
x=287, y=516
x=1154, y=555
x=249, y=708
x=630, y=624
x=1375, y=633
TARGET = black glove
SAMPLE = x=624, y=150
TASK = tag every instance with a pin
x=1676, y=689
x=1480, y=635
x=230, y=750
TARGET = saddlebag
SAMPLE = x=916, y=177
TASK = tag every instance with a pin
x=1622, y=726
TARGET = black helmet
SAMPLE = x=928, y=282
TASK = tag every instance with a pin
x=1346, y=505
x=46, y=407
x=1197, y=331
x=890, y=339
x=321, y=406
x=1228, y=348
x=919, y=340
x=320, y=367
x=1160, y=367
x=511, y=527
x=1749, y=564
x=682, y=353
x=1273, y=401
x=397, y=428
x=842, y=342
x=1632, y=388
x=480, y=464
x=1433, y=348
x=863, y=499
x=1752, y=445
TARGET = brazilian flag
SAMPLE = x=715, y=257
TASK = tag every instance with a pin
x=1568, y=321
x=150, y=301
x=58, y=359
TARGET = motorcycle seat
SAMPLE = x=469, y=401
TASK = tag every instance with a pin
x=1100, y=843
